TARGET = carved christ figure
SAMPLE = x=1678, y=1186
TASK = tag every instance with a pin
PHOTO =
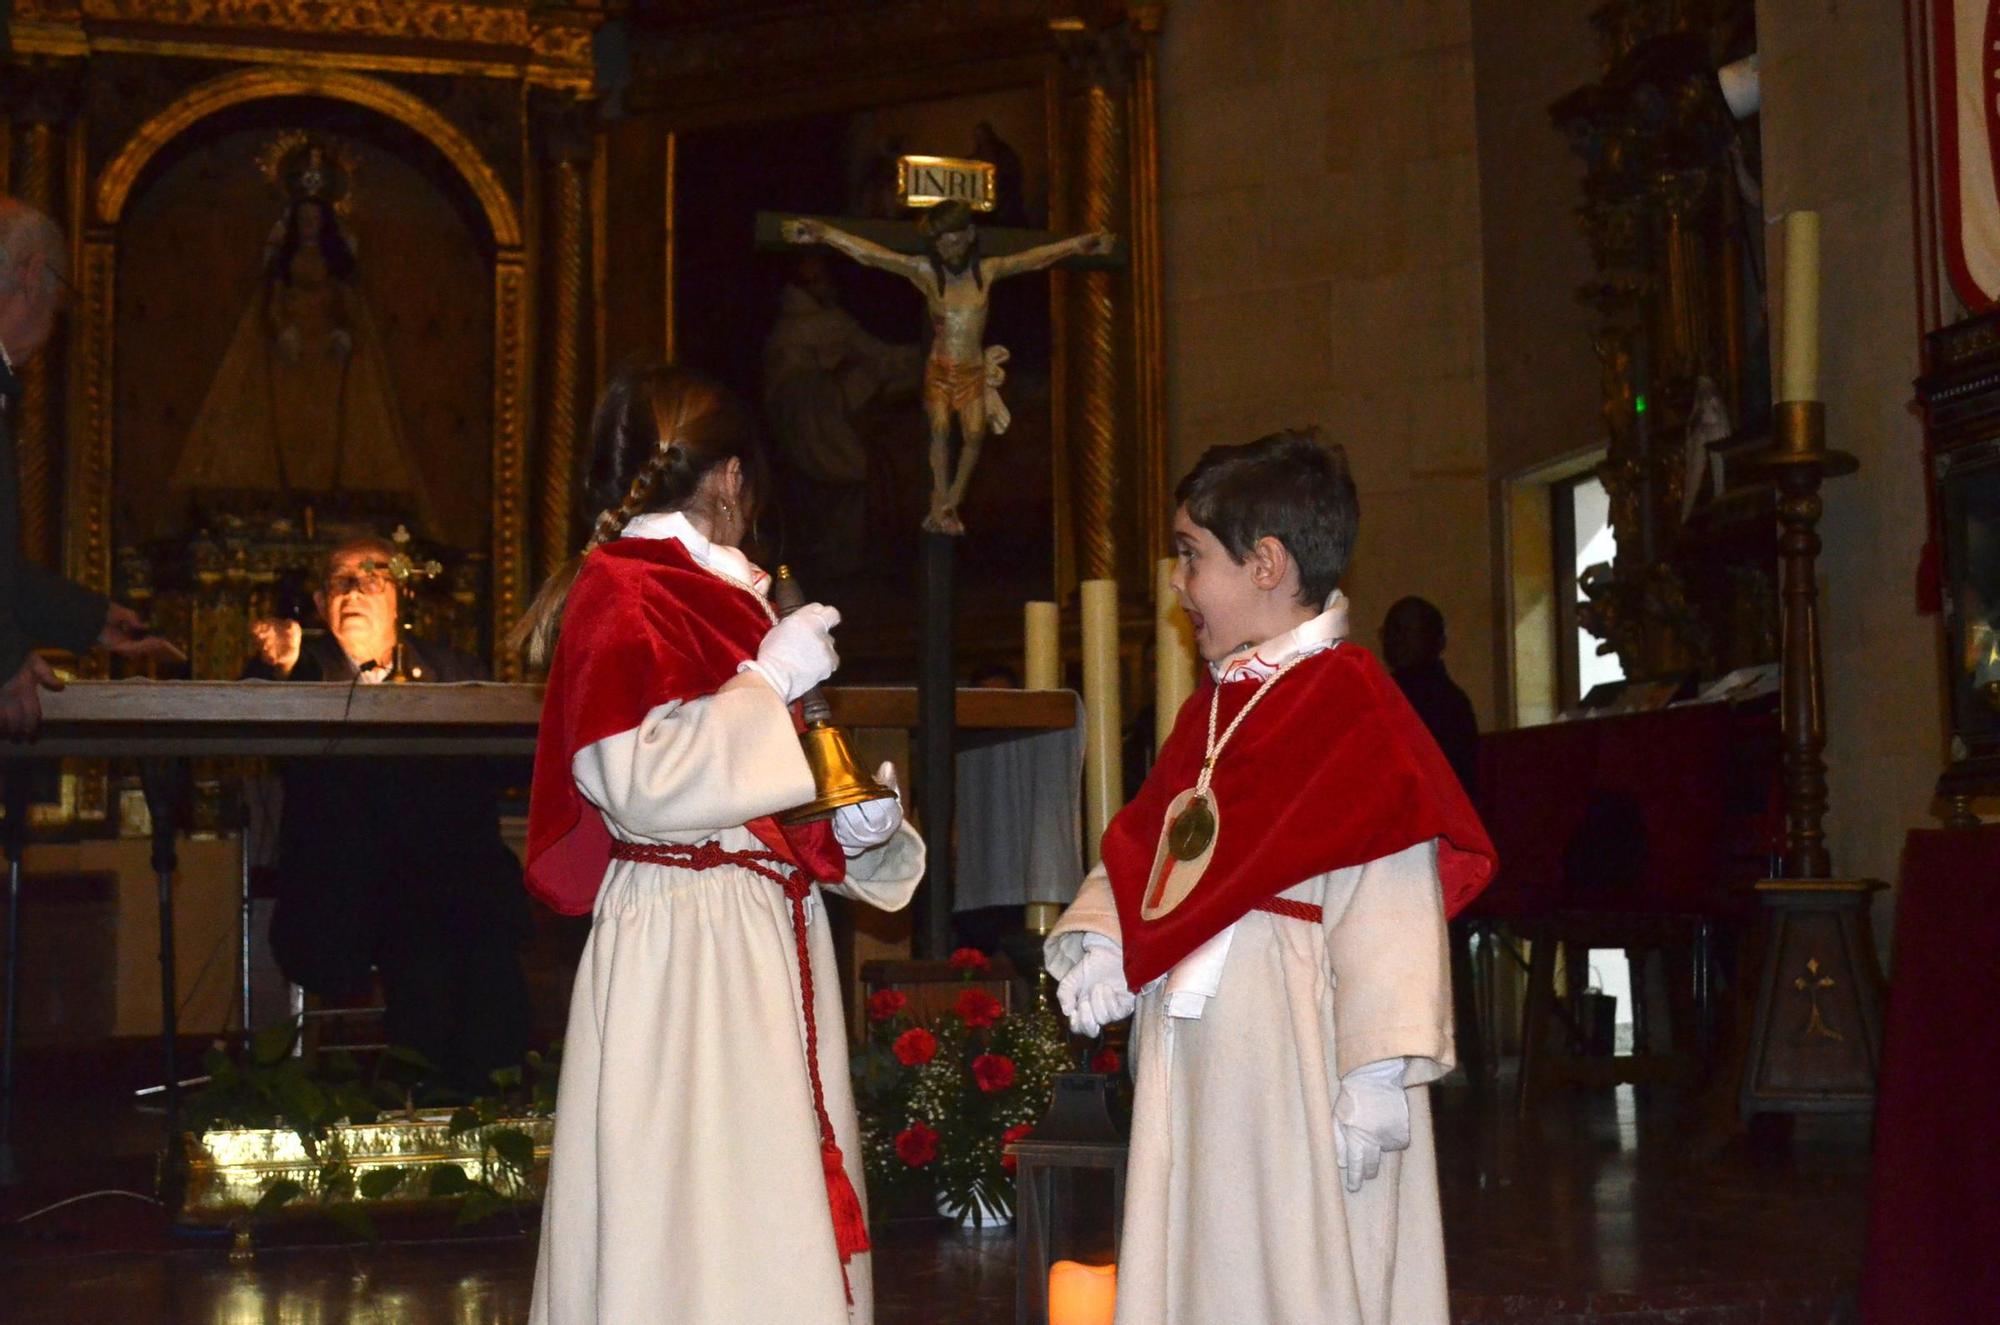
x=963, y=374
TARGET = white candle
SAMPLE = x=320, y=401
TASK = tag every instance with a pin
x=1042, y=650
x=1102, y=768
x=1173, y=653
x=1082, y=1294
x=1798, y=367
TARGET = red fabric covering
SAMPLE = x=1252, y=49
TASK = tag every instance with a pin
x=1331, y=769
x=645, y=626
x=1934, y=1212
x=1702, y=777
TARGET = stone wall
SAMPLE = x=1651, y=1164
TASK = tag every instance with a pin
x=1320, y=211
x=1836, y=140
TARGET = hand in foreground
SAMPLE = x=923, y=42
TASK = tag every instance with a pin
x=1370, y=1116
x=278, y=642
x=126, y=636
x=1093, y=994
x=21, y=698
x=862, y=827
x=797, y=653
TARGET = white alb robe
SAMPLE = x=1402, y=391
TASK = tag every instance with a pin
x=1235, y=1208
x=686, y=1183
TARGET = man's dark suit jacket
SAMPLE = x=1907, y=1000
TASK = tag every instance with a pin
x=37, y=607
x=365, y=844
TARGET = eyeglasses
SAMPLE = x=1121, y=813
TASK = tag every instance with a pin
x=367, y=584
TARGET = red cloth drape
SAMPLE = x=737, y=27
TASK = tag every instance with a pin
x=1934, y=1212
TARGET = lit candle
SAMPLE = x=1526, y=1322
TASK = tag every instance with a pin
x=1082, y=1294
x=1798, y=367
x=1043, y=669
x=1173, y=653
x=1101, y=765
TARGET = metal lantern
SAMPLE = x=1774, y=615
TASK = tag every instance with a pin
x=1070, y=1190
x=1961, y=397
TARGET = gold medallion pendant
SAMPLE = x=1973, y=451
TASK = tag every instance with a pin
x=1192, y=830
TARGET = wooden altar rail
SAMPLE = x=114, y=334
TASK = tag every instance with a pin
x=138, y=718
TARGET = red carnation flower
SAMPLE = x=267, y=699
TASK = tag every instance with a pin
x=915, y=1047
x=1107, y=1062
x=916, y=1145
x=886, y=1003
x=977, y=1008
x=1008, y=1138
x=970, y=960
x=993, y=1072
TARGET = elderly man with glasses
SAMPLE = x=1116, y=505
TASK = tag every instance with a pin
x=39, y=609
x=397, y=863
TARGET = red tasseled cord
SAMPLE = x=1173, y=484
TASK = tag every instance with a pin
x=850, y=1228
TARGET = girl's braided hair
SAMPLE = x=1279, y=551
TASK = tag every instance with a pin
x=657, y=432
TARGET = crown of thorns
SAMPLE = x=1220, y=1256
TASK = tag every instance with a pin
x=947, y=216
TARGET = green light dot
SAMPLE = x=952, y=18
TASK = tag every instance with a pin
x=1639, y=405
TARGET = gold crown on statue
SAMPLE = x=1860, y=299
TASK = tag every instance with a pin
x=303, y=165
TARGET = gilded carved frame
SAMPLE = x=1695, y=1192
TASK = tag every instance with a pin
x=88, y=537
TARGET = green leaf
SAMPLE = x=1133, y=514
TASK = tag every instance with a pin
x=515, y=1148
x=277, y=1194
x=480, y=1203
x=352, y=1220
x=336, y=1183
x=506, y=1078
x=410, y=1057
x=303, y=1102
x=449, y=1180
x=273, y=1044
x=378, y=1183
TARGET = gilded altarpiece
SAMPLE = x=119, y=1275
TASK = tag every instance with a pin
x=295, y=227
x=1672, y=210
x=507, y=201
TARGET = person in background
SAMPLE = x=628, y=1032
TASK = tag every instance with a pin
x=397, y=863
x=1413, y=645
x=39, y=609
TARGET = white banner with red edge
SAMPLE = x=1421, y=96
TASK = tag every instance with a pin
x=1967, y=70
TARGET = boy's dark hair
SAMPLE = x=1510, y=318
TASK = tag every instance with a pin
x=1290, y=486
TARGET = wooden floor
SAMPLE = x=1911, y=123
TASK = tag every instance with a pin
x=1601, y=1210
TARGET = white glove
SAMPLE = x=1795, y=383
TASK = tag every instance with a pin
x=1371, y=1115
x=1093, y=994
x=797, y=653
x=871, y=823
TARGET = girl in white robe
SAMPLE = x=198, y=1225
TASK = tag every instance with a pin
x=687, y=1178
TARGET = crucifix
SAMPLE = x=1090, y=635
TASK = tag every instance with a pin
x=953, y=263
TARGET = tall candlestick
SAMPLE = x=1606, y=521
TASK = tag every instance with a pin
x=1042, y=651
x=1101, y=766
x=1173, y=650
x=1798, y=368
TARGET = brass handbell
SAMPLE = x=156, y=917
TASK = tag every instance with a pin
x=837, y=779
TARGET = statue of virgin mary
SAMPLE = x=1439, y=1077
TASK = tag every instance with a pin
x=303, y=405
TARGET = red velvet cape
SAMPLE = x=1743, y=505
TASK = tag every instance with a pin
x=1331, y=769
x=644, y=626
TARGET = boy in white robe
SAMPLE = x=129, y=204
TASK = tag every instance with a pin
x=1277, y=897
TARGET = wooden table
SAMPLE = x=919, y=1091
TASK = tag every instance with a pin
x=139, y=719
x=164, y=722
